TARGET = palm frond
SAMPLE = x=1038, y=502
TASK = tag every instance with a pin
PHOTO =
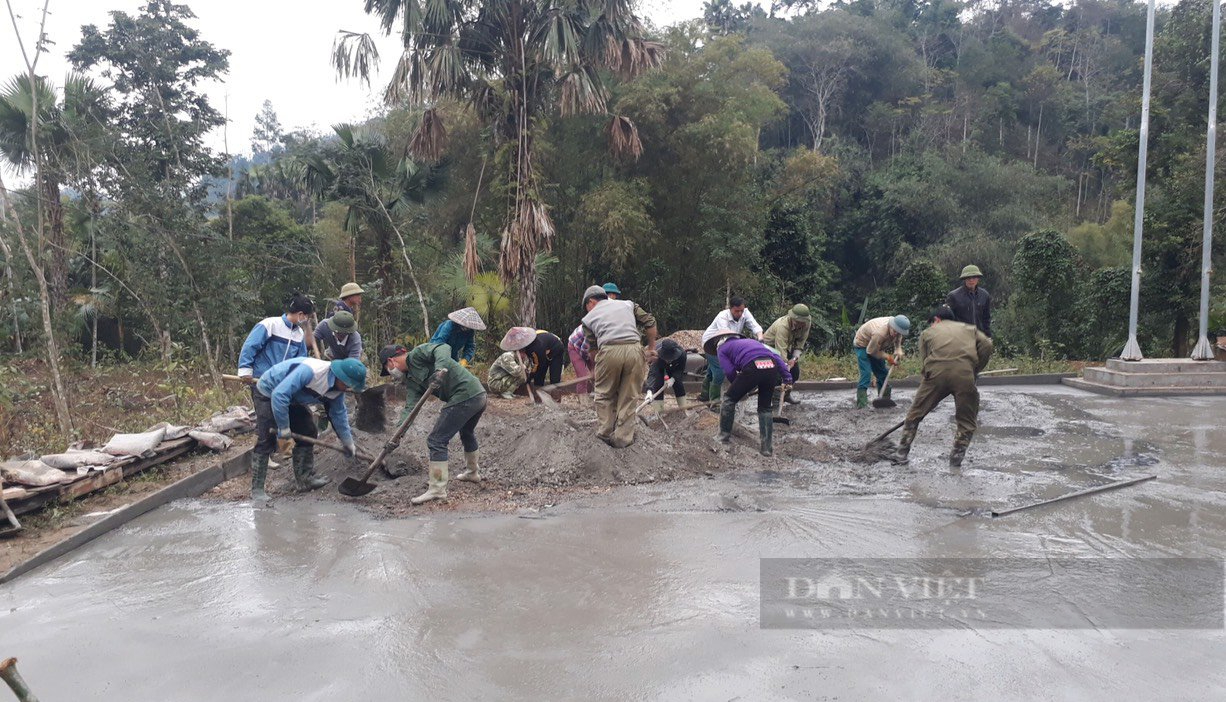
x=624, y=140
x=472, y=262
x=354, y=55
x=581, y=93
x=429, y=142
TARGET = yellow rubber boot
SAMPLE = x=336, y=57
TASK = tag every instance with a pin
x=437, y=489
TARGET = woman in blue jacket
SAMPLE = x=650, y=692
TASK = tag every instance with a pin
x=459, y=332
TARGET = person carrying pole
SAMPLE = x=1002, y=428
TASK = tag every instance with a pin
x=970, y=303
x=283, y=396
x=748, y=364
x=459, y=332
x=787, y=337
x=510, y=370
x=872, y=339
x=670, y=363
x=271, y=341
x=465, y=400
x=737, y=319
x=612, y=329
x=953, y=354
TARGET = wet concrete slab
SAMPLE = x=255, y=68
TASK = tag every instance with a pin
x=650, y=592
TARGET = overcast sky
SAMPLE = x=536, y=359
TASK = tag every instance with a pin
x=279, y=51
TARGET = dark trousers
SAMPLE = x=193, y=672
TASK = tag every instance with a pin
x=659, y=370
x=553, y=366
x=300, y=422
x=457, y=419
x=750, y=377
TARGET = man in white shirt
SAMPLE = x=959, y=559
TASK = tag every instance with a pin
x=736, y=319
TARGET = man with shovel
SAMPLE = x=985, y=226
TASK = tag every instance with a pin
x=669, y=363
x=872, y=339
x=282, y=397
x=612, y=329
x=748, y=365
x=465, y=403
x=953, y=353
x=787, y=336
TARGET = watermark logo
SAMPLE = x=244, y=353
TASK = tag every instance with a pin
x=1164, y=593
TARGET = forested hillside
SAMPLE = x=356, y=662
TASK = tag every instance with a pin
x=852, y=156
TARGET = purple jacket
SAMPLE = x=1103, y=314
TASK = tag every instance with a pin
x=738, y=353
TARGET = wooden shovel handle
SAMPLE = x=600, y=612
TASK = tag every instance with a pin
x=394, y=442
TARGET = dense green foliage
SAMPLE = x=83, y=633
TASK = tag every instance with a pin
x=853, y=158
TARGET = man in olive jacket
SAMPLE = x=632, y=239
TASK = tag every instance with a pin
x=971, y=304
x=953, y=354
x=465, y=403
x=788, y=336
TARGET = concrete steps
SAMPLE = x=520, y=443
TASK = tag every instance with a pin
x=1154, y=377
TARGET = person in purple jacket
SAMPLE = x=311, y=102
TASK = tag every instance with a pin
x=748, y=364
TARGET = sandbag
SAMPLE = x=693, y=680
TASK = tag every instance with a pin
x=210, y=439
x=172, y=432
x=233, y=419
x=33, y=473
x=73, y=459
x=134, y=444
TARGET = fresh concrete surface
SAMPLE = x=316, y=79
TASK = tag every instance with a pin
x=644, y=593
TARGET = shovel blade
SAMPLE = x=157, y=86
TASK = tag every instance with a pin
x=884, y=403
x=780, y=420
x=352, y=487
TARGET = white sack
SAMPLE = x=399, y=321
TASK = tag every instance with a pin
x=134, y=444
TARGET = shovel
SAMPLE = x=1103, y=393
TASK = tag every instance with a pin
x=884, y=434
x=357, y=488
x=328, y=445
x=885, y=402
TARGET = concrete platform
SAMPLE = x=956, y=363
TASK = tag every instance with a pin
x=1154, y=377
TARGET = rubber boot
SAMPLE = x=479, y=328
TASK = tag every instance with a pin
x=683, y=403
x=902, y=453
x=961, y=441
x=766, y=432
x=473, y=472
x=437, y=489
x=304, y=470
x=259, y=472
x=787, y=397
x=885, y=394
x=727, y=416
x=861, y=399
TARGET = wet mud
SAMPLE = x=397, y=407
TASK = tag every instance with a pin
x=649, y=590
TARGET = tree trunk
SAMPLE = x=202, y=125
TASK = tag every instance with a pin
x=59, y=394
x=8, y=275
x=1180, y=342
x=57, y=249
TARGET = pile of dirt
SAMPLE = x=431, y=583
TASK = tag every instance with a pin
x=690, y=339
x=532, y=456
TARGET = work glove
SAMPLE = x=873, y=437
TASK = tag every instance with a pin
x=283, y=433
x=647, y=397
x=464, y=362
x=891, y=360
x=351, y=449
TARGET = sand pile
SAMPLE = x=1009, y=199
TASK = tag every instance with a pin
x=533, y=452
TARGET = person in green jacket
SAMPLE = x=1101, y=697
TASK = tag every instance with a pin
x=788, y=336
x=465, y=403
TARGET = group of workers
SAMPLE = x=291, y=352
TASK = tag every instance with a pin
x=616, y=356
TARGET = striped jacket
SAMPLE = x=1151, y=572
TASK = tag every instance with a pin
x=270, y=342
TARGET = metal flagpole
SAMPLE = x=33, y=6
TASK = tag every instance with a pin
x=1203, y=350
x=1132, y=350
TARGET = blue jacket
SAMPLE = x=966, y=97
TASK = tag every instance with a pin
x=270, y=342
x=305, y=381
x=462, y=340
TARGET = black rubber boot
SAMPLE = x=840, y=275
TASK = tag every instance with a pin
x=259, y=473
x=727, y=415
x=787, y=397
x=304, y=470
x=766, y=432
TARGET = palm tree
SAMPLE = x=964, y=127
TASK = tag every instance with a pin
x=378, y=188
x=63, y=126
x=514, y=62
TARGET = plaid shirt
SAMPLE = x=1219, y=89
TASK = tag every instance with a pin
x=578, y=342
